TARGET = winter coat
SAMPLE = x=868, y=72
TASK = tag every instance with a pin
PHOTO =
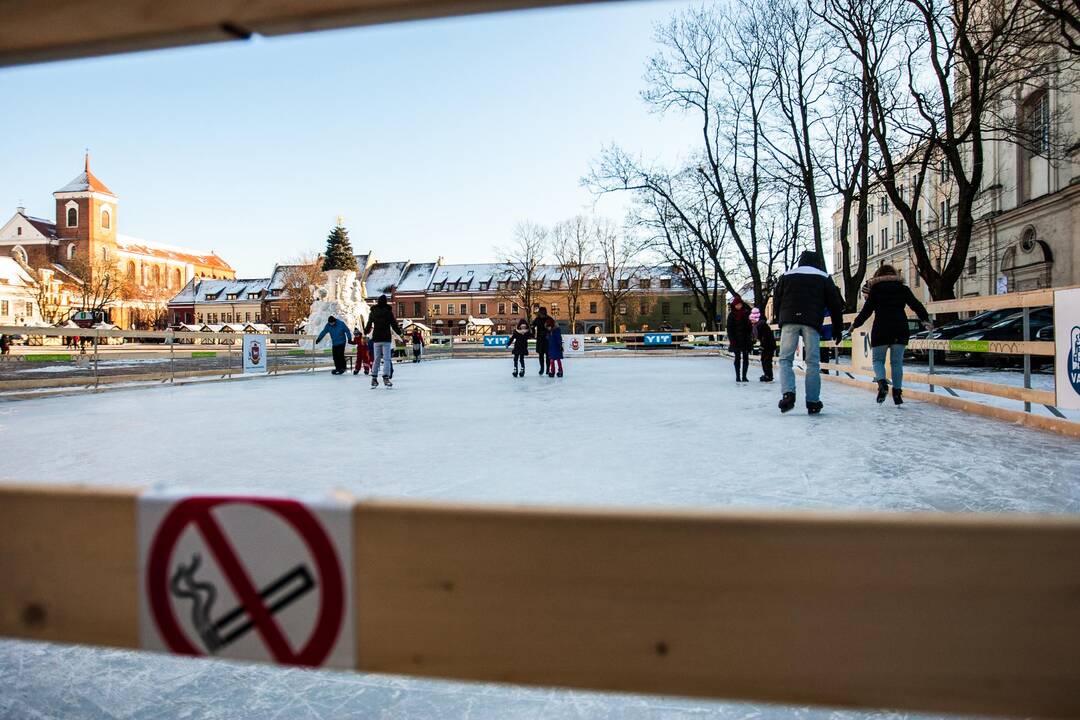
x=540, y=332
x=384, y=323
x=519, y=342
x=339, y=333
x=554, y=344
x=805, y=293
x=765, y=337
x=740, y=332
x=887, y=299
x=417, y=338
x=363, y=356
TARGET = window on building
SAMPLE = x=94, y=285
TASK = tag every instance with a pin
x=485, y=285
x=247, y=317
x=884, y=205
x=556, y=284
x=483, y=309
x=106, y=219
x=4, y=309
x=918, y=277
x=515, y=309
x=594, y=283
x=73, y=217
x=502, y=308
x=538, y=284
x=437, y=287
x=622, y=308
x=231, y=296
x=869, y=244
x=972, y=265
x=665, y=308
x=71, y=251
x=592, y=308
x=105, y=254
x=464, y=309
x=503, y=284
x=131, y=272
x=417, y=310
x=870, y=212
x=686, y=308
x=884, y=238
x=515, y=285
x=401, y=309
x=29, y=309
x=643, y=307
x=198, y=318
x=943, y=170
x=665, y=283
x=435, y=309
x=899, y=232
x=1037, y=120
x=624, y=284
x=253, y=296
x=18, y=230
x=645, y=283
x=555, y=309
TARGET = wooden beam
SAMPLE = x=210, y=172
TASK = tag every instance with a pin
x=1009, y=392
x=36, y=31
x=955, y=613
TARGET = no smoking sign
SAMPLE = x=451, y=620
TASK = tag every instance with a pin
x=247, y=578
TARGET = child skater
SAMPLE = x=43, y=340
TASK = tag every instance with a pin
x=764, y=335
x=363, y=357
x=554, y=348
x=417, y=345
x=519, y=346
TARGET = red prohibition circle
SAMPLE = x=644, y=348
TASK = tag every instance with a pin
x=196, y=510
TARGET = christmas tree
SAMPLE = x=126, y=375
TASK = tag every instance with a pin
x=339, y=252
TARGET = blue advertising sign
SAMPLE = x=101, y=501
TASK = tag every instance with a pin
x=657, y=338
x=496, y=340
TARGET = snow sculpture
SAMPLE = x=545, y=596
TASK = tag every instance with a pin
x=340, y=295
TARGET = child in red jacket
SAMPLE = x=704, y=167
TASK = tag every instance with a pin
x=363, y=357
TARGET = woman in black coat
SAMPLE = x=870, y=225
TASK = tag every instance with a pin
x=740, y=335
x=887, y=299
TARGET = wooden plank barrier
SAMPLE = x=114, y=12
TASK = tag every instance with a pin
x=1009, y=392
x=954, y=613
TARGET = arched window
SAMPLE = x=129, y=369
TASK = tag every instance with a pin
x=104, y=253
x=179, y=278
x=73, y=217
x=157, y=276
x=71, y=251
x=131, y=271
x=106, y=219
x=19, y=254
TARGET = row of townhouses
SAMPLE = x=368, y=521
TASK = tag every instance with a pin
x=453, y=299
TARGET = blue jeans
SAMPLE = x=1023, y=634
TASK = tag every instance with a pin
x=789, y=339
x=896, y=359
x=383, y=350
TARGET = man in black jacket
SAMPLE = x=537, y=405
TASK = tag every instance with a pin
x=800, y=302
x=540, y=332
x=382, y=324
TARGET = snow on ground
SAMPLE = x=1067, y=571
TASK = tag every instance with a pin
x=634, y=431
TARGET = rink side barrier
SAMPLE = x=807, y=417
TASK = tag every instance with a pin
x=962, y=613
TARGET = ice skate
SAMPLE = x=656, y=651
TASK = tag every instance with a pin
x=813, y=408
x=898, y=396
x=386, y=381
x=374, y=382
x=883, y=390
x=515, y=372
x=558, y=374
x=787, y=402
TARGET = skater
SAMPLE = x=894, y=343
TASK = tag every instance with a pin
x=417, y=345
x=802, y=297
x=382, y=325
x=340, y=335
x=363, y=356
x=764, y=335
x=554, y=348
x=540, y=332
x=5, y=345
x=519, y=346
x=887, y=298
x=740, y=336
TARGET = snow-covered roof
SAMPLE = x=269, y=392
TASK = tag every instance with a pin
x=257, y=327
x=413, y=323
x=233, y=327
x=417, y=277
x=86, y=182
x=468, y=278
x=481, y=322
x=13, y=274
x=138, y=246
x=219, y=291
x=383, y=278
x=46, y=227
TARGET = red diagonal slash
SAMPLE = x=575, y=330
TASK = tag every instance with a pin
x=196, y=510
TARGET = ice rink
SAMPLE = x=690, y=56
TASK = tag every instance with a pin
x=635, y=431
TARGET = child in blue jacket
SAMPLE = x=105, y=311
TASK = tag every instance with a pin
x=555, y=349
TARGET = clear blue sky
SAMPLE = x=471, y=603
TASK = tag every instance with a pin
x=431, y=138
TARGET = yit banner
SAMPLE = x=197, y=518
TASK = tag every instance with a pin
x=246, y=578
x=1067, y=348
x=254, y=353
x=657, y=338
x=573, y=344
x=496, y=340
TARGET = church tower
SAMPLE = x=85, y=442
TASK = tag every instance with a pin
x=85, y=219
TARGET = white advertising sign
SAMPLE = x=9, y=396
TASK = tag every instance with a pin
x=1067, y=348
x=246, y=578
x=862, y=356
x=573, y=344
x=255, y=350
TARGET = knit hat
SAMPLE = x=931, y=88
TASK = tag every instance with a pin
x=755, y=315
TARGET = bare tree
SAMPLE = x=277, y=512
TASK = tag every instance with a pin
x=101, y=283
x=618, y=269
x=298, y=278
x=522, y=261
x=46, y=294
x=573, y=244
x=1066, y=17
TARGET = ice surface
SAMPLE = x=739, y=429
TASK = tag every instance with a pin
x=633, y=431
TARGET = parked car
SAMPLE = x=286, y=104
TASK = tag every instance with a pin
x=1009, y=329
x=954, y=329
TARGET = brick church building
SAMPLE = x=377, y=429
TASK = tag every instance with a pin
x=83, y=246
